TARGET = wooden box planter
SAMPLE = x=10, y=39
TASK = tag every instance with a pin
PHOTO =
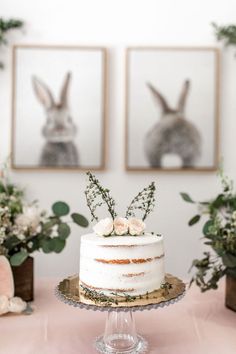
x=230, y=295
x=24, y=279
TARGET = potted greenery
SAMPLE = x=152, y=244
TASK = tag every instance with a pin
x=219, y=232
x=25, y=229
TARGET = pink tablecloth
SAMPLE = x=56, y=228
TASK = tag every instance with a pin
x=199, y=324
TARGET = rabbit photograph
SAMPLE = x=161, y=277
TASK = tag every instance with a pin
x=172, y=111
x=58, y=107
x=59, y=130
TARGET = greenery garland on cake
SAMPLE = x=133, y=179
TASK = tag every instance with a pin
x=97, y=196
x=219, y=232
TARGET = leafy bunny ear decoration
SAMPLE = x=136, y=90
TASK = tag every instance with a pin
x=96, y=196
x=144, y=201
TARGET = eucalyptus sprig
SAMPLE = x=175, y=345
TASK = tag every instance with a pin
x=97, y=196
x=144, y=201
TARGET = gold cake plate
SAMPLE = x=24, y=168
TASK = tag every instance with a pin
x=69, y=291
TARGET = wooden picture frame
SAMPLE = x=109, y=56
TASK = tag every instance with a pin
x=136, y=106
x=26, y=55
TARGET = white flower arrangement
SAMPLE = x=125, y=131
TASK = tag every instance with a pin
x=24, y=228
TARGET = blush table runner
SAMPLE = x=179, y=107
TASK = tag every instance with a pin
x=198, y=324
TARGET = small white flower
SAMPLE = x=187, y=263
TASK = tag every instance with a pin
x=20, y=237
x=234, y=215
x=29, y=219
x=121, y=226
x=4, y=304
x=104, y=227
x=17, y=305
x=136, y=227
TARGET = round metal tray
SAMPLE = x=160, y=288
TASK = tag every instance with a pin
x=68, y=291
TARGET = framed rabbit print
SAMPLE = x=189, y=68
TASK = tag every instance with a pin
x=58, y=107
x=172, y=109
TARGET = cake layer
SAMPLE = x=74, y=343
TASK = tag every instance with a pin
x=122, y=264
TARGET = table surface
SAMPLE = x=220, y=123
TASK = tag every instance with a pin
x=198, y=324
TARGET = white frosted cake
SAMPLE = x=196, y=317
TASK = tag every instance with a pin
x=133, y=265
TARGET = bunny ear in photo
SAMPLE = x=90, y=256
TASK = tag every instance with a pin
x=157, y=95
x=64, y=90
x=43, y=93
x=183, y=96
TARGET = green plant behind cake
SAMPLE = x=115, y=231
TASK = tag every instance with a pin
x=219, y=232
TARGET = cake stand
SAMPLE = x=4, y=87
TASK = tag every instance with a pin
x=120, y=335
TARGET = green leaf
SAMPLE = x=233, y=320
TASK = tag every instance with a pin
x=194, y=220
x=80, y=220
x=186, y=198
x=229, y=260
x=2, y=188
x=18, y=258
x=63, y=231
x=47, y=245
x=218, y=202
x=206, y=227
x=58, y=244
x=60, y=209
x=11, y=242
x=35, y=246
x=49, y=224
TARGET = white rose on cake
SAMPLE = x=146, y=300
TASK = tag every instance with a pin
x=136, y=227
x=104, y=227
x=121, y=226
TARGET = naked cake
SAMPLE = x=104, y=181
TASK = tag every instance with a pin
x=119, y=257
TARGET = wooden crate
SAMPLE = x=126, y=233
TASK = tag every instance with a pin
x=24, y=279
x=230, y=295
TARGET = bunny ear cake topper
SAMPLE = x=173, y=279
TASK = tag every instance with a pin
x=97, y=196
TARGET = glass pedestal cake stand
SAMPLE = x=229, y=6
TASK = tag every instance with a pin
x=120, y=333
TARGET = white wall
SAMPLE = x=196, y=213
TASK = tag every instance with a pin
x=117, y=24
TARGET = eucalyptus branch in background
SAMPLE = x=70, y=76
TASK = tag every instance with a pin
x=5, y=27
x=97, y=196
x=227, y=33
x=144, y=201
